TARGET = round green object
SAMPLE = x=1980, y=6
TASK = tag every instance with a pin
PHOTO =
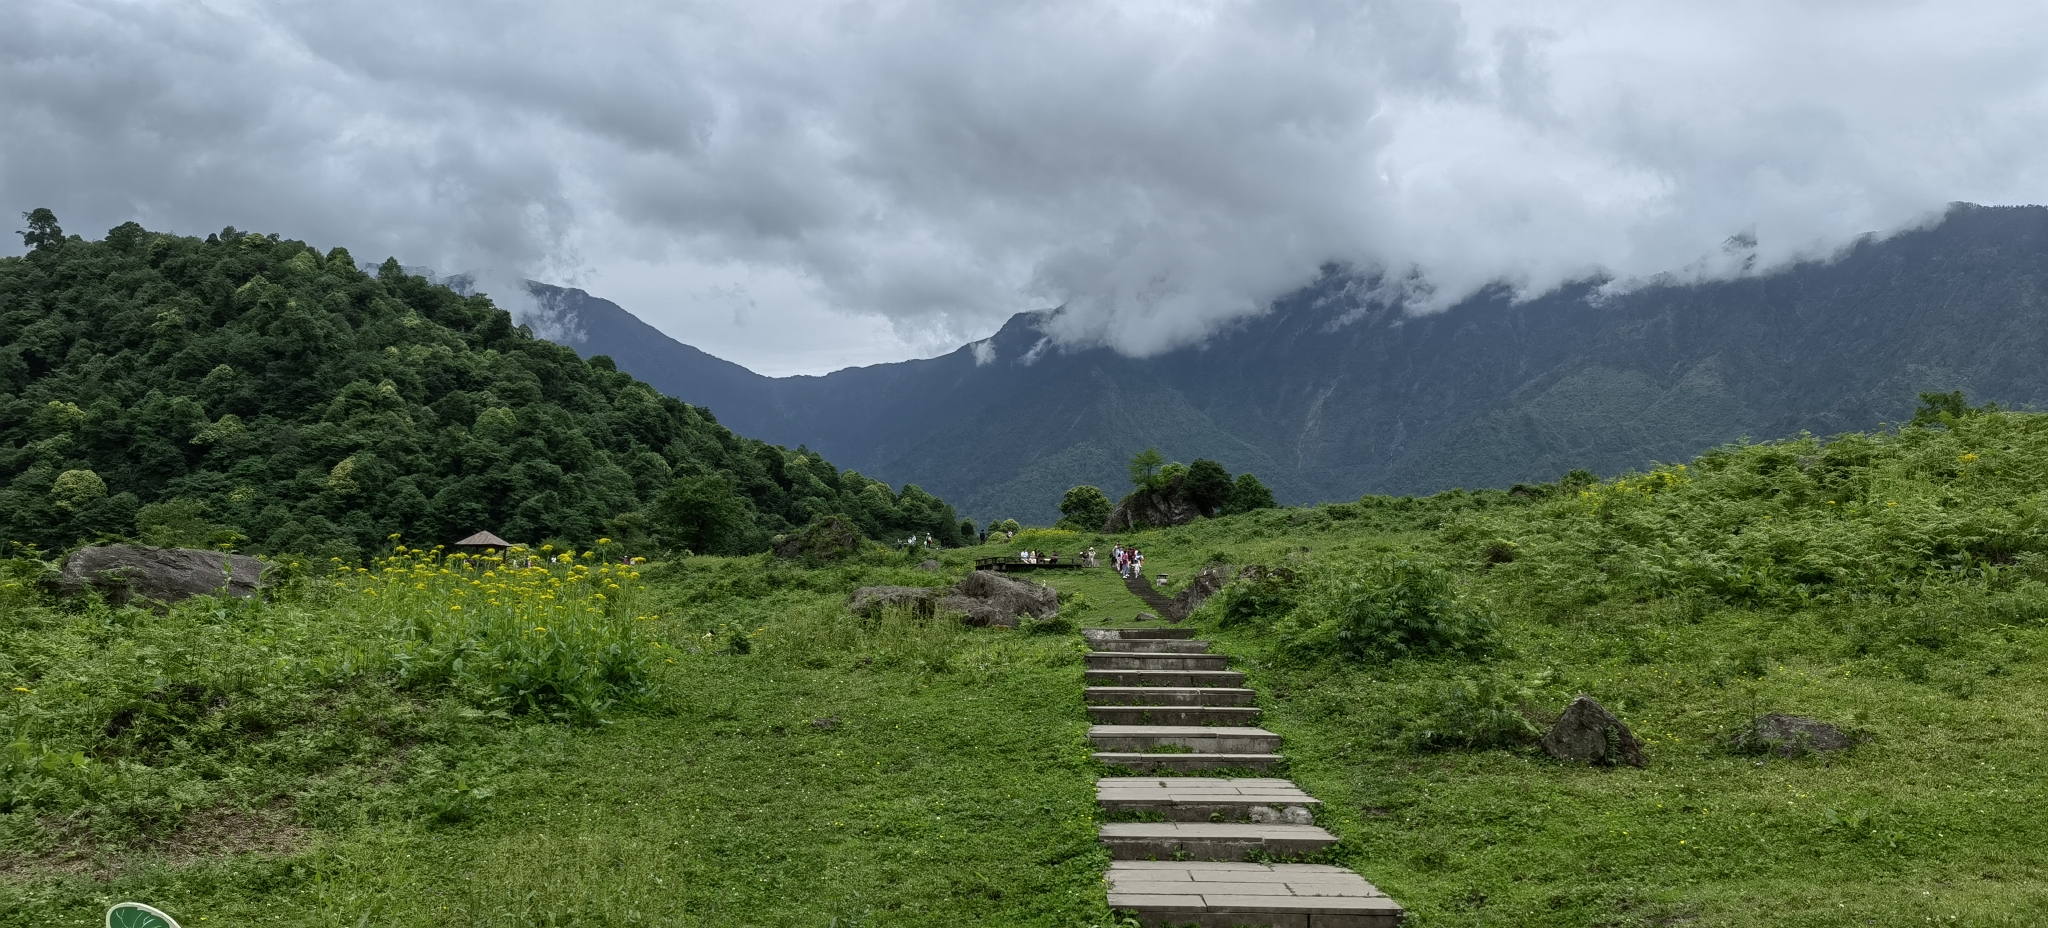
x=137, y=915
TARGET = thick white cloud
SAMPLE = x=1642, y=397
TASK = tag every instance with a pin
x=804, y=185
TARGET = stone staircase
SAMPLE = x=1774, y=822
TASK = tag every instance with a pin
x=1196, y=852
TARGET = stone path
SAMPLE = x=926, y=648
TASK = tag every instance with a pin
x=1143, y=590
x=1192, y=849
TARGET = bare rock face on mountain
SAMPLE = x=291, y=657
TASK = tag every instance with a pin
x=1206, y=584
x=1590, y=734
x=167, y=575
x=989, y=598
x=1153, y=508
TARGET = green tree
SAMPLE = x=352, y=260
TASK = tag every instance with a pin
x=1248, y=494
x=1946, y=409
x=43, y=232
x=1207, y=486
x=967, y=535
x=1084, y=509
x=1144, y=466
x=704, y=515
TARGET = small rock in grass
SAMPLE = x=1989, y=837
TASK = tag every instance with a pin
x=867, y=600
x=928, y=565
x=1590, y=734
x=1791, y=736
x=826, y=724
x=1146, y=617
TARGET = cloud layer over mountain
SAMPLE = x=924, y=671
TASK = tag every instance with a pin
x=798, y=186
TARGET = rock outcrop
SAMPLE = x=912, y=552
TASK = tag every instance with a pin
x=868, y=600
x=1153, y=508
x=1590, y=734
x=126, y=572
x=1206, y=584
x=989, y=598
x=1791, y=736
x=827, y=539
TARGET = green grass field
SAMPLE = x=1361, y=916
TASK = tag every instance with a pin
x=778, y=761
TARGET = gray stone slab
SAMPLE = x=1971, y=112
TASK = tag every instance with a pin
x=1222, y=739
x=1209, y=840
x=1173, y=678
x=1168, y=696
x=1151, y=646
x=1175, y=715
x=1094, y=633
x=1239, y=893
x=1109, y=660
x=1141, y=762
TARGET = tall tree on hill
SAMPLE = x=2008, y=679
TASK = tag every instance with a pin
x=1248, y=494
x=1144, y=466
x=43, y=233
x=1207, y=486
x=1084, y=509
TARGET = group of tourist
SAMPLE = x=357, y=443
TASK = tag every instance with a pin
x=1130, y=562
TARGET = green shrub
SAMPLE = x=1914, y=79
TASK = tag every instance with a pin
x=1384, y=610
x=1256, y=601
x=1469, y=714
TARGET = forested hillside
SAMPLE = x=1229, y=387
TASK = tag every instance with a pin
x=250, y=390
x=1336, y=392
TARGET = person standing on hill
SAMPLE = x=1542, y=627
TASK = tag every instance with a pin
x=1137, y=563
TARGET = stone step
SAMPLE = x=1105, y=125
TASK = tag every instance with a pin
x=1197, y=739
x=1128, y=634
x=1206, y=799
x=1174, y=715
x=1226, y=894
x=1187, y=763
x=1110, y=660
x=1150, y=646
x=1168, y=696
x=1176, y=678
x=1209, y=840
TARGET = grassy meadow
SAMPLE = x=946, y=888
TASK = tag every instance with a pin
x=717, y=741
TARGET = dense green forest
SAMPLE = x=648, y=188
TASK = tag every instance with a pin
x=249, y=390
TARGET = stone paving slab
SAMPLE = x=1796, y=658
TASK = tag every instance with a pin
x=1096, y=634
x=1141, y=762
x=1168, y=696
x=1111, y=660
x=1175, y=715
x=1204, y=789
x=1223, y=893
x=1150, y=646
x=1209, y=841
x=1174, y=678
x=1197, y=738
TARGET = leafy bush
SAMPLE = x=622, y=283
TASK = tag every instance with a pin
x=1084, y=509
x=1384, y=610
x=1257, y=600
x=1467, y=713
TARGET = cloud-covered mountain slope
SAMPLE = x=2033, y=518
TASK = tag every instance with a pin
x=1329, y=395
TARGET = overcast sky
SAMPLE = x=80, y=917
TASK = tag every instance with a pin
x=803, y=186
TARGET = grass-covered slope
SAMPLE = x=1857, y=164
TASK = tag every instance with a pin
x=359, y=751
x=249, y=389
x=1894, y=584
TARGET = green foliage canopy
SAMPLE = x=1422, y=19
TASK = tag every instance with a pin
x=266, y=391
x=1084, y=509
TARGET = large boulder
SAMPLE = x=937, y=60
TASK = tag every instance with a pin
x=1151, y=508
x=827, y=539
x=869, y=600
x=989, y=598
x=1590, y=734
x=1206, y=584
x=126, y=572
x=1791, y=736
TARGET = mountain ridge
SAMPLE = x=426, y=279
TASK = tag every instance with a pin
x=1329, y=395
